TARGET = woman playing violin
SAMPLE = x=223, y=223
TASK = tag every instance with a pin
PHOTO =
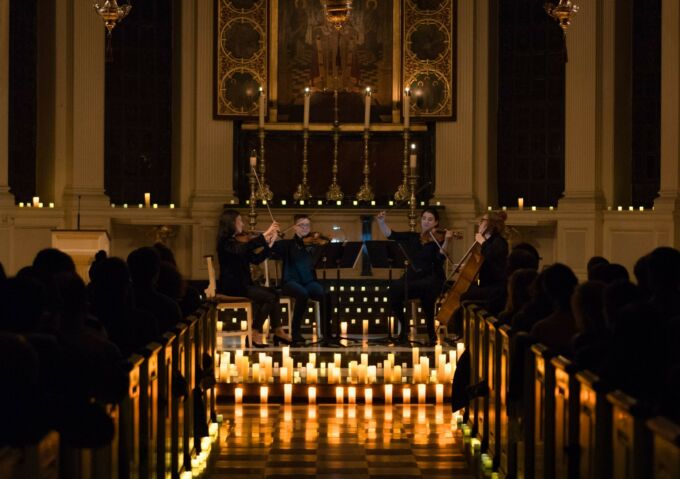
x=425, y=275
x=299, y=256
x=235, y=257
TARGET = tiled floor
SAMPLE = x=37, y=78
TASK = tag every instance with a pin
x=328, y=441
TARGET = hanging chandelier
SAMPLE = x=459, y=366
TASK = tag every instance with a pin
x=562, y=12
x=337, y=12
x=112, y=13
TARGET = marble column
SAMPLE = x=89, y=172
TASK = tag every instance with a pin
x=70, y=127
x=6, y=198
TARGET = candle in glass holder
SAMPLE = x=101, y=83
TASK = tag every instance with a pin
x=367, y=108
x=339, y=395
x=368, y=396
x=287, y=393
x=351, y=395
x=311, y=394
x=422, y=391
x=238, y=395
x=388, y=393
x=305, y=118
x=406, y=395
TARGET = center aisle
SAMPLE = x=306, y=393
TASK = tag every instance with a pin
x=343, y=441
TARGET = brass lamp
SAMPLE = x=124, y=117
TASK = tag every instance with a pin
x=337, y=12
x=562, y=12
x=112, y=13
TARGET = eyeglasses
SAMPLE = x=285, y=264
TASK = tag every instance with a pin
x=303, y=225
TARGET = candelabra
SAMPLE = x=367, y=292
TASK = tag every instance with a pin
x=252, y=214
x=412, y=179
x=365, y=193
x=302, y=192
x=334, y=192
x=562, y=13
x=264, y=193
x=402, y=193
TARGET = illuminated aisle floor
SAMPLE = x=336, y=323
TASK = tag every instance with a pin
x=329, y=441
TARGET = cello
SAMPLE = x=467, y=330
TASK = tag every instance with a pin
x=467, y=269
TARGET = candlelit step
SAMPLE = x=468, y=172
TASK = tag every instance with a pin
x=327, y=441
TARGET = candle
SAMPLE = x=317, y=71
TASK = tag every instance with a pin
x=460, y=347
x=36, y=201
x=396, y=374
x=147, y=200
x=283, y=373
x=407, y=107
x=421, y=393
x=412, y=161
x=256, y=372
x=261, y=108
x=362, y=373
x=253, y=161
x=437, y=354
x=312, y=359
x=372, y=374
x=406, y=395
x=238, y=395
x=337, y=360
x=417, y=373
x=388, y=393
x=351, y=395
x=364, y=325
x=305, y=121
x=343, y=328
x=415, y=355
x=439, y=393
x=311, y=394
x=52, y=205
x=287, y=393
x=364, y=359
x=368, y=396
x=264, y=394
x=520, y=203
x=425, y=368
x=339, y=395
x=367, y=108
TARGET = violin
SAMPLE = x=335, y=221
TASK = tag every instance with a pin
x=246, y=236
x=438, y=235
x=315, y=239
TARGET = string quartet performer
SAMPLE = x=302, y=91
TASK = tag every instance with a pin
x=424, y=277
x=236, y=250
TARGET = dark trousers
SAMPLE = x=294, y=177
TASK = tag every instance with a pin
x=265, y=303
x=425, y=289
x=301, y=293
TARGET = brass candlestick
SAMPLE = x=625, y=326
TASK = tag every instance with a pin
x=264, y=193
x=413, y=179
x=403, y=191
x=334, y=192
x=252, y=214
x=365, y=193
x=302, y=192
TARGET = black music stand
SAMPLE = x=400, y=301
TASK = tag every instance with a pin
x=338, y=256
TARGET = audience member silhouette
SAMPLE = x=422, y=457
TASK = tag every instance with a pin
x=172, y=284
x=519, y=284
x=591, y=344
x=609, y=273
x=593, y=263
x=538, y=307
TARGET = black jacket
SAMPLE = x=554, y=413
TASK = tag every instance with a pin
x=235, y=258
x=495, y=253
x=426, y=260
x=298, y=260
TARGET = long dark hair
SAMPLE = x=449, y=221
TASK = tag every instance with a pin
x=227, y=226
x=433, y=211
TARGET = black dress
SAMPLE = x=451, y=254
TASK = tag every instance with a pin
x=423, y=280
x=235, y=280
x=491, y=288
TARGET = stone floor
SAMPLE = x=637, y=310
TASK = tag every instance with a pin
x=347, y=441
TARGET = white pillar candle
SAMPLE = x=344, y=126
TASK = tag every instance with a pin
x=424, y=368
x=353, y=366
x=452, y=357
x=387, y=368
x=396, y=374
x=305, y=117
x=407, y=107
x=460, y=347
x=437, y=354
x=367, y=108
x=256, y=372
x=388, y=393
x=337, y=360
x=351, y=395
x=362, y=374
x=339, y=395
x=448, y=371
x=283, y=374
x=406, y=394
x=439, y=393
x=285, y=354
x=520, y=203
x=264, y=394
x=372, y=374
x=417, y=373
x=364, y=359
x=415, y=355
x=36, y=201
x=238, y=395
x=287, y=393
x=312, y=359
x=311, y=394
x=368, y=396
x=147, y=200
x=422, y=393
x=343, y=328
x=364, y=328
x=261, y=108
x=390, y=358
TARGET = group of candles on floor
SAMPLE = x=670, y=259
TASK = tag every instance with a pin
x=266, y=371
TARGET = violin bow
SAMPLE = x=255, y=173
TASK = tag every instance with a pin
x=441, y=249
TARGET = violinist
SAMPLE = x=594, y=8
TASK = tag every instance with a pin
x=235, y=257
x=425, y=275
x=299, y=255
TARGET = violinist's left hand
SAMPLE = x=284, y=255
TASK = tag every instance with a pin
x=448, y=235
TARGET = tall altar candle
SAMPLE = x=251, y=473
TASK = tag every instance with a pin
x=407, y=107
x=261, y=108
x=367, y=108
x=305, y=120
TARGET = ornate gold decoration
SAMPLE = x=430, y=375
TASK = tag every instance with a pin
x=365, y=192
x=112, y=13
x=402, y=193
x=302, y=192
x=337, y=12
x=412, y=216
x=334, y=192
x=252, y=181
x=263, y=193
x=562, y=12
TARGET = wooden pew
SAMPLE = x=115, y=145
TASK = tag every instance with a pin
x=40, y=461
x=544, y=417
x=631, y=440
x=190, y=377
x=472, y=346
x=481, y=404
x=148, y=410
x=566, y=403
x=180, y=395
x=165, y=398
x=595, y=418
x=666, y=462
x=525, y=444
x=507, y=461
x=128, y=446
x=493, y=403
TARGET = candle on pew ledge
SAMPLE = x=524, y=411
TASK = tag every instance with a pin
x=406, y=394
x=264, y=394
x=287, y=393
x=388, y=393
x=439, y=393
x=147, y=200
x=339, y=395
x=368, y=396
x=238, y=395
x=311, y=394
x=422, y=392
x=415, y=354
x=351, y=395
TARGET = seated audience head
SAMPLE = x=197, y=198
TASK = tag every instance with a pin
x=110, y=283
x=73, y=295
x=519, y=288
x=22, y=304
x=594, y=262
x=559, y=282
x=609, y=273
x=50, y=262
x=641, y=272
x=144, y=264
x=170, y=281
x=521, y=259
x=99, y=257
x=165, y=253
x=587, y=306
x=664, y=270
x=619, y=297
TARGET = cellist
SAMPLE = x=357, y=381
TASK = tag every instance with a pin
x=425, y=276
